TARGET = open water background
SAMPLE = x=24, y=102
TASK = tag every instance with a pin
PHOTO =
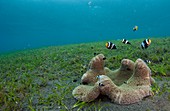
x=37, y=23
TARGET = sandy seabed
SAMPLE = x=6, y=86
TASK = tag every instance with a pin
x=43, y=79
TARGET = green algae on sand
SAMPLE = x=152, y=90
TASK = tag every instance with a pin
x=44, y=78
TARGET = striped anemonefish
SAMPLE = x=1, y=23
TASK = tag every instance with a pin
x=147, y=61
x=145, y=43
x=125, y=41
x=110, y=45
x=135, y=28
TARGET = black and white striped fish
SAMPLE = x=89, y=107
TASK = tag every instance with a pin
x=145, y=44
x=125, y=41
x=110, y=45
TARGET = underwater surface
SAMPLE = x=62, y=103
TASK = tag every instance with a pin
x=37, y=23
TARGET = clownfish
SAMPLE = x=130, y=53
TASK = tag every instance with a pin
x=125, y=41
x=135, y=28
x=145, y=43
x=147, y=61
x=110, y=45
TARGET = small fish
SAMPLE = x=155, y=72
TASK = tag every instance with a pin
x=125, y=41
x=145, y=44
x=110, y=45
x=147, y=61
x=135, y=28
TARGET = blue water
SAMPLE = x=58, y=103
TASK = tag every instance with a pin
x=36, y=23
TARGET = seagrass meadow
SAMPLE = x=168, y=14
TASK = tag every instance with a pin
x=43, y=78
